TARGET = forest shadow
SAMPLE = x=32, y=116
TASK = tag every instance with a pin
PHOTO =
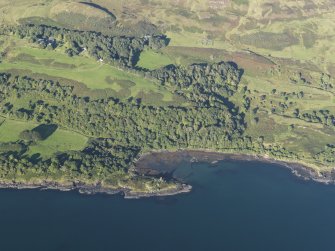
x=45, y=130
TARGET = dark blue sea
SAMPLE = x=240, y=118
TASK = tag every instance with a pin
x=234, y=206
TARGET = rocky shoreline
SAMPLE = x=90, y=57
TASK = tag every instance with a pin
x=91, y=190
x=147, y=163
x=182, y=188
x=162, y=164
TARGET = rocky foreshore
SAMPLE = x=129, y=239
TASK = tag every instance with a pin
x=182, y=188
x=162, y=163
x=147, y=164
x=91, y=190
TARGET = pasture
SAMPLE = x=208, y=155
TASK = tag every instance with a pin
x=27, y=57
x=59, y=140
x=10, y=129
x=152, y=60
x=273, y=41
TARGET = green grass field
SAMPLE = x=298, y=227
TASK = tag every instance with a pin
x=271, y=40
x=60, y=140
x=152, y=60
x=10, y=129
x=95, y=75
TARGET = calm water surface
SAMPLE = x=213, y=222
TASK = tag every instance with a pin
x=234, y=206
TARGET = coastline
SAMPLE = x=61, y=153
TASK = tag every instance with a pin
x=145, y=165
x=300, y=170
x=91, y=189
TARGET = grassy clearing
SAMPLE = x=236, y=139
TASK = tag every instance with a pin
x=207, y=34
x=10, y=129
x=60, y=140
x=188, y=39
x=152, y=60
x=95, y=75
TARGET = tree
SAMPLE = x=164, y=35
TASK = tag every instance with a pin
x=30, y=135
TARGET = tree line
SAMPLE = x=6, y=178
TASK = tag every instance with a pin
x=119, y=131
x=123, y=50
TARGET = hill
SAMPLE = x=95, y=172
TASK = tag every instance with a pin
x=252, y=77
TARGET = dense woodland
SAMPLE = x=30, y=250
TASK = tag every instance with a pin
x=128, y=128
x=123, y=50
x=122, y=129
x=207, y=85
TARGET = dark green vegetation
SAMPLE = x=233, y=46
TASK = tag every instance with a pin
x=119, y=130
x=120, y=95
x=124, y=50
x=127, y=128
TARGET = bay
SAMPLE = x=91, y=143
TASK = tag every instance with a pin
x=234, y=205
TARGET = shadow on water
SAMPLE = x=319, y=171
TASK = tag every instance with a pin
x=166, y=201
